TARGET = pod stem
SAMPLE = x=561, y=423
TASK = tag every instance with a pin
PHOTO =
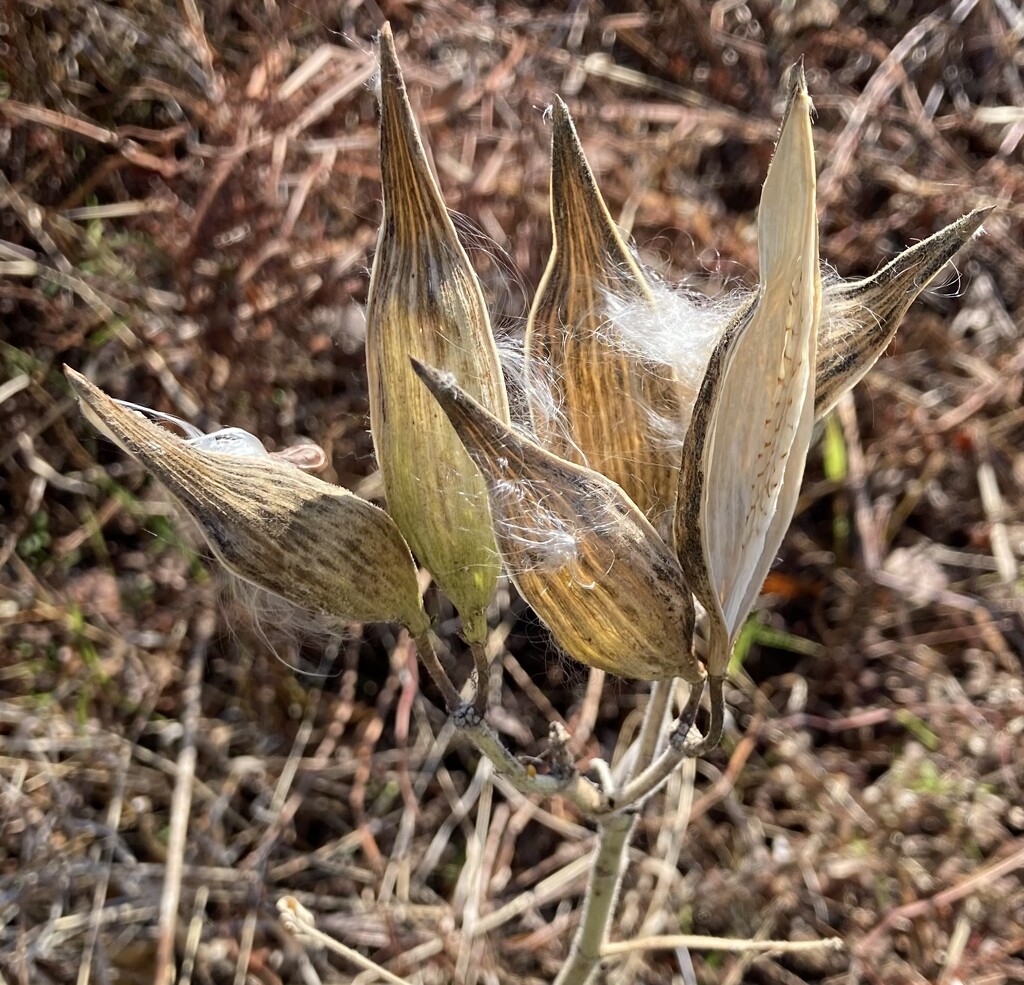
x=716, y=695
x=428, y=654
x=588, y=799
x=483, y=677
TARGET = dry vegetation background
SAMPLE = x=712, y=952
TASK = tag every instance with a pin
x=189, y=199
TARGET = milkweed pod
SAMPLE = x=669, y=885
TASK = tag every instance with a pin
x=860, y=318
x=425, y=302
x=313, y=544
x=579, y=550
x=595, y=393
x=745, y=450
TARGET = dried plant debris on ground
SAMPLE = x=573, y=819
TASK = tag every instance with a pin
x=190, y=198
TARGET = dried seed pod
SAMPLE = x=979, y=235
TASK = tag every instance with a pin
x=606, y=393
x=315, y=545
x=859, y=318
x=579, y=550
x=425, y=302
x=744, y=454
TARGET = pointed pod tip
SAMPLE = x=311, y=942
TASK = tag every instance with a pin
x=798, y=78
x=565, y=143
x=559, y=111
x=422, y=370
x=391, y=92
x=102, y=411
x=571, y=176
x=387, y=57
x=797, y=95
x=85, y=390
x=404, y=164
x=798, y=98
x=440, y=383
x=973, y=220
x=787, y=218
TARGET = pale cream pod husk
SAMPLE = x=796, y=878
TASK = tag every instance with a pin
x=579, y=550
x=313, y=544
x=745, y=450
x=604, y=396
x=425, y=302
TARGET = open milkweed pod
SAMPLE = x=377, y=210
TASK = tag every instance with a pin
x=313, y=544
x=604, y=395
x=425, y=302
x=745, y=451
x=578, y=549
x=860, y=318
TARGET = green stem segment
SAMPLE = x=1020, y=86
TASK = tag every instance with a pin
x=602, y=892
x=616, y=829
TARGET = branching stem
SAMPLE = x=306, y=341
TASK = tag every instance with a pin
x=615, y=811
x=585, y=796
x=679, y=748
x=615, y=830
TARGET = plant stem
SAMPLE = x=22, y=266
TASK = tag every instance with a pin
x=716, y=695
x=585, y=796
x=602, y=891
x=616, y=813
x=645, y=783
x=654, y=720
x=428, y=654
x=483, y=676
x=612, y=841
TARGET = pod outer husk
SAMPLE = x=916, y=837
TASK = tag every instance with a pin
x=859, y=318
x=425, y=302
x=317, y=546
x=578, y=549
x=605, y=394
x=746, y=447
